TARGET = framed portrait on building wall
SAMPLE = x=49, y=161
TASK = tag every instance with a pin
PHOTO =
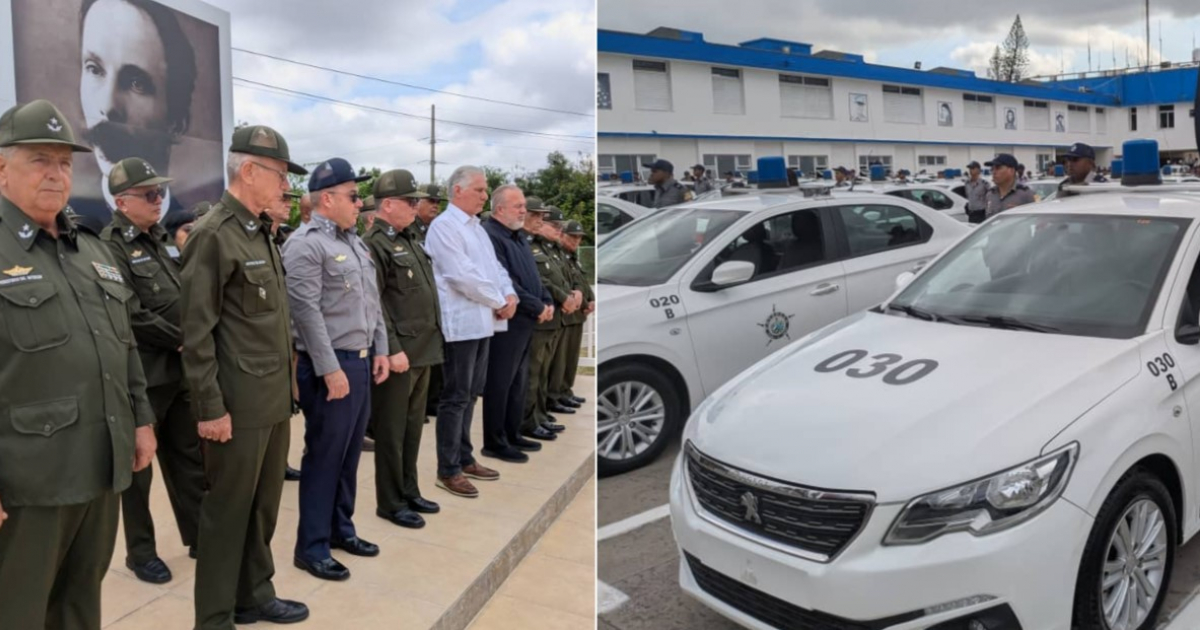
x=1010, y=118
x=945, y=114
x=858, y=107
x=135, y=78
x=1060, y=122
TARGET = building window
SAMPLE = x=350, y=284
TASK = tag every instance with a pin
x=934, y=161
x=1045, y=162
x=809, y=165
x=1133, y=119
x=903, y=105
x=1101, y=120
x=719, y=165
x=1037, y=115
x=1166, y=116
x=866, y=161
x=805, y=97
x=727, y=91
x=651, y=85
x=1078, y=120
x=979, y=110
x=603, y=91
x=617, y=164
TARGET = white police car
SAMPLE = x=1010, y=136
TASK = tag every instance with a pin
x=1009, y=442
x=694, y=294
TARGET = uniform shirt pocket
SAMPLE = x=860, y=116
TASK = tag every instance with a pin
x=45, y=418
x=34, y=316
x=116, y=302
x=259, y=293
x=259, y=365
x=148, y=283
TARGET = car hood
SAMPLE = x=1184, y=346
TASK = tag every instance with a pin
x=994, y=400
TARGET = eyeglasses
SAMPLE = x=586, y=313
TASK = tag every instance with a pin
x=282, y=174
x=354, y=197
x=151, y=196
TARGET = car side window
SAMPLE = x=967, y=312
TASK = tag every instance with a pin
x=875, y=228
x=933, y=198
x=778, y=245
x=609, y=218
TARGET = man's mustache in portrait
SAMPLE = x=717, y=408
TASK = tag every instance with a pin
x=117, y=141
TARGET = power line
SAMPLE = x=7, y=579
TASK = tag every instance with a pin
x=381, y=110
x=413, y=86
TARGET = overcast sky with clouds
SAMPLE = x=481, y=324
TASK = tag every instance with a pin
x=534, y=52
x=959, y=34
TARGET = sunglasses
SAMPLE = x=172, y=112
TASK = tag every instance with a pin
x=354, y=197
x=151, y=196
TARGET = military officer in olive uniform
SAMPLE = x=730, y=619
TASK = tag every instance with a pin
x=427, y=210
x=566, y=364
x=1006, y=191
x=414, y=329
x=556, y=400
x=237, y=360
x=538, y=423
x=149, y=260
x=77, y=422
x=667, y=191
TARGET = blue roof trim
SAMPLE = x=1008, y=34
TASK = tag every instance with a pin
x=692, y=136
x=1174, y=85
x=617, y=42
x=777, y=45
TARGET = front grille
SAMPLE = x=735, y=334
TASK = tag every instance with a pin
x=820, y=522
x=776, y=612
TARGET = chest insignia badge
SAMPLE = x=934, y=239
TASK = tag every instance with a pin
x=339, y=258
x=18, y=271
x=25, y=231
x=262, y=293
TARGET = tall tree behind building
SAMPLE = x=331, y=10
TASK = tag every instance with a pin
x=1010, y=59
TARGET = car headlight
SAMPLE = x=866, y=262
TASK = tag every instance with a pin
x=987, y=505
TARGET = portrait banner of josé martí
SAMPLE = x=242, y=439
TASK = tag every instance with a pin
x=135, y=78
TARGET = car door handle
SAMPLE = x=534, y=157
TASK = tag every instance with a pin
x=825, y=289
x=919, y=266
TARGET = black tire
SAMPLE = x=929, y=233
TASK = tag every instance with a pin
x=673, y=408
x=1136, y=485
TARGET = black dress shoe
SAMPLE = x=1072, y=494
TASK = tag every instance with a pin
x=578, y=399
x=154, y=571
x=327, y=569
x=540, y=434
x=356, y=547
x=275, y=611
x=556, y=428
x=508, y=454
x=424, y=506
x=403, y=518
x=529, y=446
x=569, y=402
x=368, y=445
x=558, y=407
x=192, y=552
x=291, y=474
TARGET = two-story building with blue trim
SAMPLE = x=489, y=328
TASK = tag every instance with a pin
x=670, y=94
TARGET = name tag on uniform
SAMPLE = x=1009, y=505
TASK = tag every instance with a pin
x=254, y=263
x=173, y=251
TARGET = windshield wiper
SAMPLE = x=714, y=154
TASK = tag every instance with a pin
x=913, y=311
x=1005, y=322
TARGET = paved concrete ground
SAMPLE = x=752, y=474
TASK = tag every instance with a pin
x=419, y=575
x=643, y=565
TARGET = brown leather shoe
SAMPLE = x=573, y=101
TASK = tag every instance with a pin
x=458, y=485
x=482, y=473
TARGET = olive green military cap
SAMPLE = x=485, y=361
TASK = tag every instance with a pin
x=553, y=215
x=37, y=122
x=132, y=173
x=368, y=204
x=266, y=142
x=397, y=183
x=534, y=204
x=433, y=191
x=573, y=228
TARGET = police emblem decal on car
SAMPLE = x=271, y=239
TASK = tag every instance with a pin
x=777, y=324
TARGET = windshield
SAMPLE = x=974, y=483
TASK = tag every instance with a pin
x=1085, y=275
x=650, y=252
x=1044, y=191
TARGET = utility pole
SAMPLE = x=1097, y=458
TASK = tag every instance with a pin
x=432, y=142
x=1147, y=32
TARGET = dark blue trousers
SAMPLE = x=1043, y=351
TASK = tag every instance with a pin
x=333, y=439
x=507, y=380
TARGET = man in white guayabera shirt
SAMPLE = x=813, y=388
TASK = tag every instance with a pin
x=477, y=299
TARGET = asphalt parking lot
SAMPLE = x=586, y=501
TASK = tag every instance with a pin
x=639, y=569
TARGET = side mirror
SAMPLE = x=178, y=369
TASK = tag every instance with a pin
x=732, y=272
x=1187, y=334
x=903, y=279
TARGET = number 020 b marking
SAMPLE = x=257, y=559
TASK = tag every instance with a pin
x=902, y=374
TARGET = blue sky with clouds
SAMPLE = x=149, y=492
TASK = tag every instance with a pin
x=531, y=52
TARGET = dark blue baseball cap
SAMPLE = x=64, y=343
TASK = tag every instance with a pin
x=1081, y=150
x=1002, y=159
x=662, y=165
x=332, y=172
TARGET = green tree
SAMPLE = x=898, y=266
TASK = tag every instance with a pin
x=569, y=186
x=1011, y=59
x=496, y=177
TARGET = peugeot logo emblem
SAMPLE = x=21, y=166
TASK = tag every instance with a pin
x=750, y=502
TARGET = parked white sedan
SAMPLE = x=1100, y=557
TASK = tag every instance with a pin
x=698, y=292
